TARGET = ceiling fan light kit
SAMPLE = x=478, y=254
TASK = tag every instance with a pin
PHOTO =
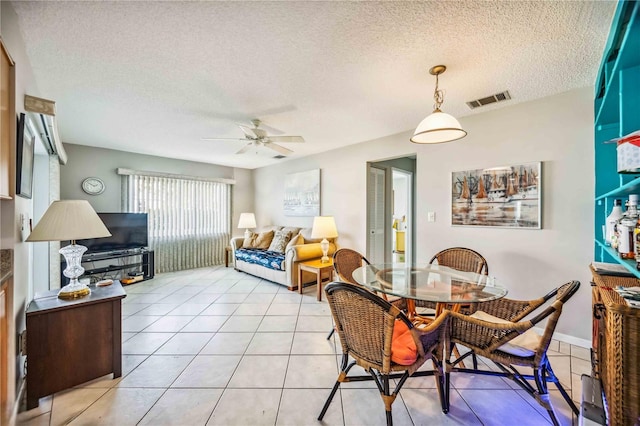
x=438, y=127
x=259, y=137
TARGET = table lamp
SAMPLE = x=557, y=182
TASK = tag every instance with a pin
x=70, y=220
x=247, y=220
x=324, y=227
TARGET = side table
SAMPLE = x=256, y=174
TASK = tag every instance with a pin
x=323, y=271
x=70, y=342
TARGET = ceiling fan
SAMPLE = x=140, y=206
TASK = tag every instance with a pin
x=259, y=137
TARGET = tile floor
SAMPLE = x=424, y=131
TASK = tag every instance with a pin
x=218, y=347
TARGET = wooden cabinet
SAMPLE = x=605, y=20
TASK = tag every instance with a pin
x=616, y=358
x=617, y=113
x=70, y=342
x=7, y=119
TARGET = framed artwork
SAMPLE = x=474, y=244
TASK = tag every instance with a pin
x=506, y=197
x=302, y=194
x=24, y=157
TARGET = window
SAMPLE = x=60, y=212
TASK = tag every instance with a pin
x=189, y=218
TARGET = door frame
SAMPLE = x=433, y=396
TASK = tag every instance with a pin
x=388, y=165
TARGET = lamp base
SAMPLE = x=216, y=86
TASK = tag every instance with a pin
x=324, y=246
x=73, y=256
x=74, y=291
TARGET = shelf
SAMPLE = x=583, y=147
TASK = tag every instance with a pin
x=88, y=272
x=626, y=57
x=146, y=263
x=629, y=264
x=97, y=257
x=632, y=187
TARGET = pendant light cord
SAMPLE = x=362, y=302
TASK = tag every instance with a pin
x=438, y=97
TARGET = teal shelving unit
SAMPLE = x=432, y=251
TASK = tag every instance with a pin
x=617, y=113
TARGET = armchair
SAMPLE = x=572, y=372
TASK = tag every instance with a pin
x=506, y=339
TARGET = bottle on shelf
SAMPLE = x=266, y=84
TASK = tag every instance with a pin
x=610, y=222
x=636, y=239
x=625, y=229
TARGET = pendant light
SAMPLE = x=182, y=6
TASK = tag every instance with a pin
x=438, y=127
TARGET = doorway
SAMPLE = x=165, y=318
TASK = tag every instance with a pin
x=391, y=210
x=402, y=223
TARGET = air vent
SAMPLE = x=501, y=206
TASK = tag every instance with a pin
x=498, y=97
x=279, y=156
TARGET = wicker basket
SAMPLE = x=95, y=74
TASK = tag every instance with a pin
x=617, y=349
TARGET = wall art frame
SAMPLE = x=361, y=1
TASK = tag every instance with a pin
x=302, y=193
x=505, y=197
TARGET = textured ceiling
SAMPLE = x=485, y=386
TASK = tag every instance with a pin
x=156, y=77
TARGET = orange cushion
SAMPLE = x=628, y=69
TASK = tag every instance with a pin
x=403, y=347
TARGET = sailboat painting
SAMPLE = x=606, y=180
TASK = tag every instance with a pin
x=302, y=193
x=506, y=196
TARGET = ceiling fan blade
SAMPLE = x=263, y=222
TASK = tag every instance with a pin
x=249, y=132
x=223, y=139
x=281, y=149
x=287, y=139
x=245, y=148
x=272, y=130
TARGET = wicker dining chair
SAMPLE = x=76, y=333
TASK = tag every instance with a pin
x=501, y=335
x=462, y=259
x=345, y=262
x=365, y=324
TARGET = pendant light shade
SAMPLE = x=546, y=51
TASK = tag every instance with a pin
x=438, y=127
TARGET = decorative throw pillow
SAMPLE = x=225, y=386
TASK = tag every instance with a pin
x=258, y=241
x=294, y=241
x=523, y=345
x=248, y=241
x=263, y=240
x=279, y=242
x=403, y=348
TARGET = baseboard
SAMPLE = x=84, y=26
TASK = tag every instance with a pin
x=16, y=404
x=576, y=341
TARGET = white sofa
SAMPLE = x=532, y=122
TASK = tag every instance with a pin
x=300, y=249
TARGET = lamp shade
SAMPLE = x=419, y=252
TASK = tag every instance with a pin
x=247, y=220
x=438, y=127
x=69, y=220
x=324, y=227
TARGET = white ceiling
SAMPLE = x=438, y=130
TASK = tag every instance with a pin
x=156, y=77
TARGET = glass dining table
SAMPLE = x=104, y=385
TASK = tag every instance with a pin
x=447, y=287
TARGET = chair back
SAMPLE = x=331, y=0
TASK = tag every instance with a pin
x=462, y=259
x=364, y=322
x=345, y=261
x=552, y=314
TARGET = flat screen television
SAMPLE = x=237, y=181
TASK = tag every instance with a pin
x=128, y=231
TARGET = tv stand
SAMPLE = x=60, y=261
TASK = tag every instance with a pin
x=142, y=260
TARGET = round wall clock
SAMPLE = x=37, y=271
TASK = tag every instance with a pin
x=93, y=186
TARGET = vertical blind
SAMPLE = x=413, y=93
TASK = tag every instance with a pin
x=189, y=220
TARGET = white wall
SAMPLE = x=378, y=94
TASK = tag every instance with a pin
x=556, y=130
x=82, y=164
